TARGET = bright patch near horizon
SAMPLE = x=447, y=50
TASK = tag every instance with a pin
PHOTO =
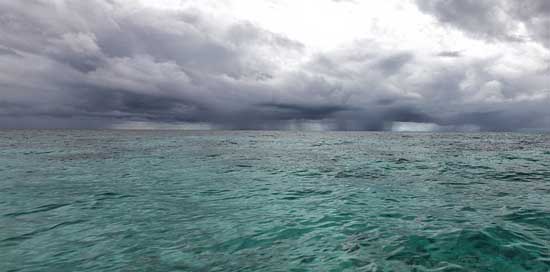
x=414, y=127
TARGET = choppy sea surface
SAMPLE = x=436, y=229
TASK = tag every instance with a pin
x=87, y=200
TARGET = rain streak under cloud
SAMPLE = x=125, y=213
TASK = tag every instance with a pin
x=443, y=65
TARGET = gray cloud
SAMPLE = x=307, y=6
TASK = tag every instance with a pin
x=494, y=19
x=6, y=51
x=103, y=63
x=449, y=54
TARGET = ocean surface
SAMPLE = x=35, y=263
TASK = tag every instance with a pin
x=87, y=200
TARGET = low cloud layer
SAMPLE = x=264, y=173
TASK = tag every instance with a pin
x=104, y=64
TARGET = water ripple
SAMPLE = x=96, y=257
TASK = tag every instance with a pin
x=273, y=201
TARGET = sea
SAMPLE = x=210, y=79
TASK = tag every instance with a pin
x=122, y=200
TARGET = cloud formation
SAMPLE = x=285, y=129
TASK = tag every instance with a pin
x=510, y=20
x=100, y=63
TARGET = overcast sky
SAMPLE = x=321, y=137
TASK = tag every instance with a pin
x=452, y=65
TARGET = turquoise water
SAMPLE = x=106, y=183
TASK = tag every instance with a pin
x=273, y=201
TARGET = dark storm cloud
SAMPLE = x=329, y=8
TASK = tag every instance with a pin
x=86, y=58
x=295, y=111
x=102, y=63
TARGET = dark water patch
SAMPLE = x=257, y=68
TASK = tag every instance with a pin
x=38, y=152
x=228, y=142
x=546, y=190
x=306, y=259
x=511, y=157
x=502, y=194
x=477, y=167
x=412, y=250
x=529, y=159
x=491, y=249
x=401, y=161
x=344, y=143
x=393, y=215
x=456, y=183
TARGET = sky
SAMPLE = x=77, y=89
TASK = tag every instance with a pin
x=399, y=65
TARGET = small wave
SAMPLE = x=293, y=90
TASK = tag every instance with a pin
x=357, y=173
x=214, y=192
x=518, y=176
x=43, y=208
x=32, y=234
x=530, y=217
x=298, y=194
x=111, y=195
x=307, y=173
x=228, y=142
